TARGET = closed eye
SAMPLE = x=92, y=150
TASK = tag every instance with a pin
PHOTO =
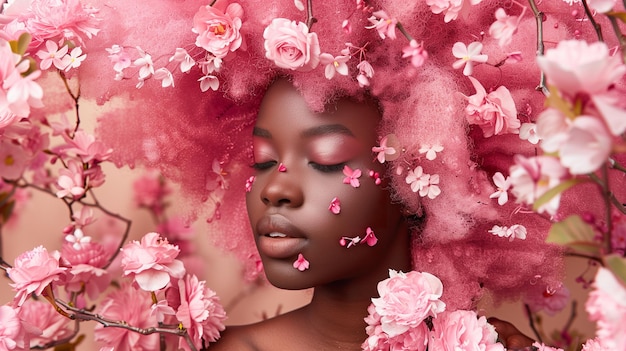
x=328, y=168
x=264, y=165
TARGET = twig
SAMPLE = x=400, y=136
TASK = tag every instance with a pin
x=618, y=205
x=596, y=25
x=75, y=97
x=531, y=321
x=619, y=35
x=310, y=20
x=589, y=257
x=403, y=31
x=606, y=191
x=540, y=46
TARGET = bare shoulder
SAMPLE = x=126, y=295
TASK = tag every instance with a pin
x=234, y=338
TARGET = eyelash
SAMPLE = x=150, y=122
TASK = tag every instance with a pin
x=319, y=167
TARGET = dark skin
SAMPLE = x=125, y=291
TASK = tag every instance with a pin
x=289, y=214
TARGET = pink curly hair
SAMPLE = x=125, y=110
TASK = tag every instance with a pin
x=184, y=132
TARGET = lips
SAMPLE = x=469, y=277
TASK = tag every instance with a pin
x=278, y=238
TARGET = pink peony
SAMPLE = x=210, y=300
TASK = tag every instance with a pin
x=463, y=331
x=219, y=31
x=199, y=311
x=132, y=306
x=532, y=177
x=414, y=339
x=607, y=306
x=42, y=315
x=290, y=45
x=594, y=345
x=85, y=270
x=33, y=271
x=12, y=334
x=577, y=67
x=151, y=262
x=406, y=299
x=495, y=113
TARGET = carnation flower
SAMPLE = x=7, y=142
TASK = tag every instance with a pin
x=219, y=31
x=290, y=45
x=33, y=271
x=463, y=331
x=406, y=299
x=12, y=334
x=42, y=316
x=151, y=262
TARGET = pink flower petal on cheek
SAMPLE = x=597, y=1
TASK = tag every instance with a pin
x=370, y=238
x=282, y=168
x=301, y=263
x=335, y=206
x=352, y=176
x=249, y=183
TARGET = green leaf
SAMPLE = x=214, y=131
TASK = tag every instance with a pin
x=574, y=233
x=22, y=43
x=617, y=265
x=548, y=195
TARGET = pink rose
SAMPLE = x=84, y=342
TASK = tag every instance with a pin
x=33, y=271
x=406, y=299
x=219, y=31
x=152, y=262
x=607, y=306
x=495, y=113
x=575, y=66
x=415, y=339
x=463, y=331
x=290, y=45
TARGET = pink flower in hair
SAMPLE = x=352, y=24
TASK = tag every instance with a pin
x=528, y=131
x=33, y=271
x=199, y=311
x=334, y=64
x=406, y=299
x=132, y=306
x=186, y=61
x=249, y=183
x=119, y=57
x=290, y=45
x=209, y=82
x=218, y=29
x=430, y=151
x=53, y=56
x=577, y=67
x=387, y=151
x=151, y=262
x=74, y=59
x=504, y=27
x=165, y=76
x=467, y=55
x=384, y=24
x=495, y=113
x=502, y=185
x=430, y=187
x=352, y=176
x=463, y=331
x=13, y=336
x=366, y=71
x=416, y=52
x=41, y=315
x=515, y=231
x=71, y=181
x=414, y=178
x=450, y=8
x=532, y=177
x=301, y=263
x=607, y=307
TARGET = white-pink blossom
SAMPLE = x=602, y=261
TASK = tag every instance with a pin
x=502, y=188
x=606, y=306
x=384, y=24
x=587, y=147
x=334, y=64
x=53, y=56
x=532, y=177
x=450, y=8
x=504, y=27
x=467, y=55
x=416, y=52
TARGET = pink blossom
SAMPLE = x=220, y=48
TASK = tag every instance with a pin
x=515, y=231
x=334, y=64
x=151, y=262
x=74, y=59
x=607, y=307
x=416, y=52
x=150, y=191
x=165, y=76
x=532, y=177
x=463, y=331
x=451, y=8
x=612, y=108
x=22, y=92
x=594, y=345
x=370, y=238
x=301, y=263
x=77, y=239
x=33, y=271
x=577, y=67
x=200, y=312
x=176, y=228
x=602, y=6
x=366, y=71
x=145, y=64
x=495, y=113
x=552, y=129
x=54, y=56
x=352, y=176
x=414, y=339
x=218, y=29
x=335, y=206
x=41, y=315
x=414, y=178
x=384, y=25
x=548, y=299
x=119, y=57
x=132, y=306
x=249, y=183
x=290, y=45
x=83, y=217
x=587, y=147
x=429, y=186
x=528, y=131
x=70, y=181
x=186, y=61
x=161, y=309
x=387, y=151
x=86, y=147
x=467, y=55
x=13, y=160
x=502, y=185
x=209, y=82
x=13, y=336
x=543, y=347
x=430, y=151
x=504, y=27
x=406, y=299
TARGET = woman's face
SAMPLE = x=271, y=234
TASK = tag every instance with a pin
x=300, y=156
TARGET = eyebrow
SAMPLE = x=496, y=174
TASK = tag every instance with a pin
x=311, y=132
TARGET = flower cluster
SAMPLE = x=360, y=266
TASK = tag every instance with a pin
x=409, y=315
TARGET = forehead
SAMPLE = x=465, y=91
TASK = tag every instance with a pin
x=284, y=108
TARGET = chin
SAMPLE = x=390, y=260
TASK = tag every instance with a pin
x=282, y=275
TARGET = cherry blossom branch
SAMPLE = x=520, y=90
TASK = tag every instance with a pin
x=618, y=205
x=75, y=97
x=596, y=25
x=540, y=45
x=581, y=255
x=619, y=35
x=81, y=314
x=403, y=31
x=531, y=321
x=606, y=191
x=310, y=20
x=65, y=340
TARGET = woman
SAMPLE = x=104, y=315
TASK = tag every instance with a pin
x=352, y=105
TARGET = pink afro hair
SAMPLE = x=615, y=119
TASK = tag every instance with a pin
x=202, y=140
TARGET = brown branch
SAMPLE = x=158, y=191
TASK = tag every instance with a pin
x=596, y=25
x=540, y=45
x=531, y=321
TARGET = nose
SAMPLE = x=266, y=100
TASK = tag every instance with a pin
x=282, y=189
